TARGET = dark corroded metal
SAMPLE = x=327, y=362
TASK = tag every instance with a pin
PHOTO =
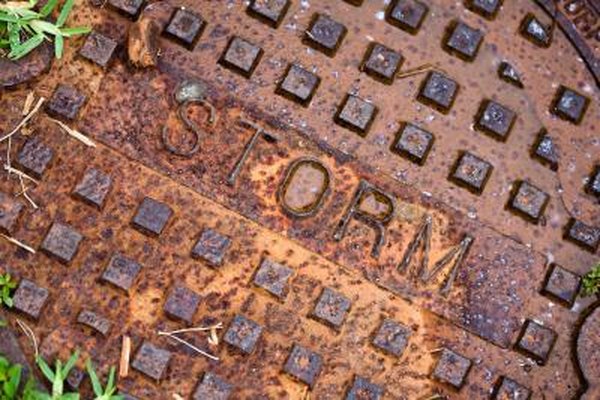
x=14, y=73
x=415, y=224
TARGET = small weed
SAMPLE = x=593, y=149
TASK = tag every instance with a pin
x=591, y=281
x=23, y=29
x=10, y=378
x=7, y=286
x=106, y=393
x=57, y=378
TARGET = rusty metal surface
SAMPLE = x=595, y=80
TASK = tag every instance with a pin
x=389, y=242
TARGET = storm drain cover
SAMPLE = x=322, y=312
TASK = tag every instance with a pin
x=332, y=199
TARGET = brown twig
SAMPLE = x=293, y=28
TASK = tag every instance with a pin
x=188, y=344
x=17, y=243
x=25, y=194
x=75, y=134
x=24, y=120
x=12, y=170
x=28, y=103
x=436, y=350
x=125, y=354
x=435, y=397
x=30, y=335
x=196, y=329
x=421, y=69
x=213, y=338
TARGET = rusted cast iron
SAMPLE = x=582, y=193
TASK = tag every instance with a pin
x=362, y=216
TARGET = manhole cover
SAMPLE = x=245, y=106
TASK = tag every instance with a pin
x=363, y=199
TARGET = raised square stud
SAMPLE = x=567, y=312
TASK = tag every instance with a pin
x=10, y=211
x=413, y=143
x=363, y=389
x=212, y=388
x=593, y=186
x=241, y=56
x=98, y=49
x=356, y=114
x=382, y=63
x=65, y=103
x=528, y=201
x=407, y=15
x=545, y=151
x=495, y=120
x=507, y=389
x=211, y=247
x=185, y=27
x=562, y=285
x=471, y=172
x=128, y=8
x=536, y=341
x=509, y=74
x=121, y=272
x=583, y=235
x=274, y=278
x=243, y=334
x=536, y=32
x=325, y=34
x=93, y=187
x=151, y=361
x=392, y=337
x=94, y=321
x=486, y=8
x=270, y=12
x=452, y=368
x=182, y=304
x=151, y=217
x=303, y=365
x=30, y=299
x=438, y=91
x=298, y=84
x=462, y=40
x=569, y=105
x=331, y=308
x=35, y=157
x=61, y=242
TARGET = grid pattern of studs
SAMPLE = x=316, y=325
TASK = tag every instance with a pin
x=155, y=357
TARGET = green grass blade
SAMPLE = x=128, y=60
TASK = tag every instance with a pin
x=80, y=30
x=59, y=45
x=70, y=364
x=13, y=35
x=48, y=8
x=110, y=385
x=26, y=15
x=12, y=385
x=25, y=48
x=45, y=368
x=7, y=18
x=45, y=27
x=96, y=385
x=64, y=13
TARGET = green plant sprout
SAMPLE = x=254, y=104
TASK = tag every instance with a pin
x=103, y=393
x=23, y=29
x=57, y=378
x=10, y=378
x=7, y=285
x=591, y=281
